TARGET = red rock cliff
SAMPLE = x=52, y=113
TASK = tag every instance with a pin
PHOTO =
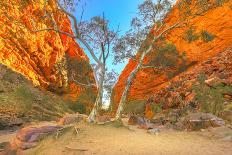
x=216, y=21
x=43, y=57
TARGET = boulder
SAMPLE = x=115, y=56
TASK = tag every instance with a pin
x=136, y=120
x=198, y=121
x=141, y=122
x=28, y=137
x=72, y=118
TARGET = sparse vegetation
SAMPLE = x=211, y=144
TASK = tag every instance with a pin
x=190, y=35
x=206, y=36
x=210, y=99
x=25, y=95
x=77, y=107
x=156, y=108
x=20, y=99
x=135, y=107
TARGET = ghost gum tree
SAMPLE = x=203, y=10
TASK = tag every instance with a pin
x=95, y=35
x=147, y=34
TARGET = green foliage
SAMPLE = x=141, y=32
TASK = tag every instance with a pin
x=210, y=99
x=206, y=36
x=156, y=108
x=168, y=59
x=79, y=70
x=165, y=56
x=87, y=96
x=77, y=107
x=190, y=35
x=135, y=107
x=25, y=96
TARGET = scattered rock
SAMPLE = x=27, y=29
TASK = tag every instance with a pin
x=198, y=121
x=72, y=118
x=154, y=131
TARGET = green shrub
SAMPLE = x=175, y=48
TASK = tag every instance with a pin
x=156, y=108
x=206, y=36
x=135, y=107
x=190, y=35
x=25, y=96
x=77, y=107
x=210, y=99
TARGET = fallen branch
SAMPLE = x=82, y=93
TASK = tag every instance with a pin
x=59, y=130
x=77, y=149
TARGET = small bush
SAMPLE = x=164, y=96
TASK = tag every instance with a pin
x=135, y=107
x=210, y=99
x=206, y=36
x=77, y=107
x=25, y=95
x=156, y=108
x=190, y=35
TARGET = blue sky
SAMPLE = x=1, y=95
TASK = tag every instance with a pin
x=118, y=12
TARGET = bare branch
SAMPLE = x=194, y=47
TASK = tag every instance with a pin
x=78, y=33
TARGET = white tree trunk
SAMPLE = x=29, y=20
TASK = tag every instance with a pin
x=129, y=83
x=98, y=102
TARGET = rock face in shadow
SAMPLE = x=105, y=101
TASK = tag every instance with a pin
x=43, y=57
x=216, y=21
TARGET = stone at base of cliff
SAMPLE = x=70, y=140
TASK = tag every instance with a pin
x=9, y=121
x=198, y=121
x=28, y=137
x=154, y=131
x=72, y=118
x=141, y=122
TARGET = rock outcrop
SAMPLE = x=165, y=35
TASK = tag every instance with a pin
x=215, y=21
x=42, y=56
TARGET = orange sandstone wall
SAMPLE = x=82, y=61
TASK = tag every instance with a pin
x=39, y=56
x=217, y=21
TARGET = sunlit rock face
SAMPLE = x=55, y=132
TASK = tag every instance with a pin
x=216, y=21
x=41, y=56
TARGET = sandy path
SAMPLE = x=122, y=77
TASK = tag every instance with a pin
x=108, y=140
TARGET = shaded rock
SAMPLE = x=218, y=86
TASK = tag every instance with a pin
x=72, y=118
x=198, y=121
x=8, y=121
x=133, y=120
x=141, y=122
x=28, y=137
x=136, y=120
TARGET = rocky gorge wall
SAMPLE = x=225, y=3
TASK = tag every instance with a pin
x=43, y=57
x=215, y=21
